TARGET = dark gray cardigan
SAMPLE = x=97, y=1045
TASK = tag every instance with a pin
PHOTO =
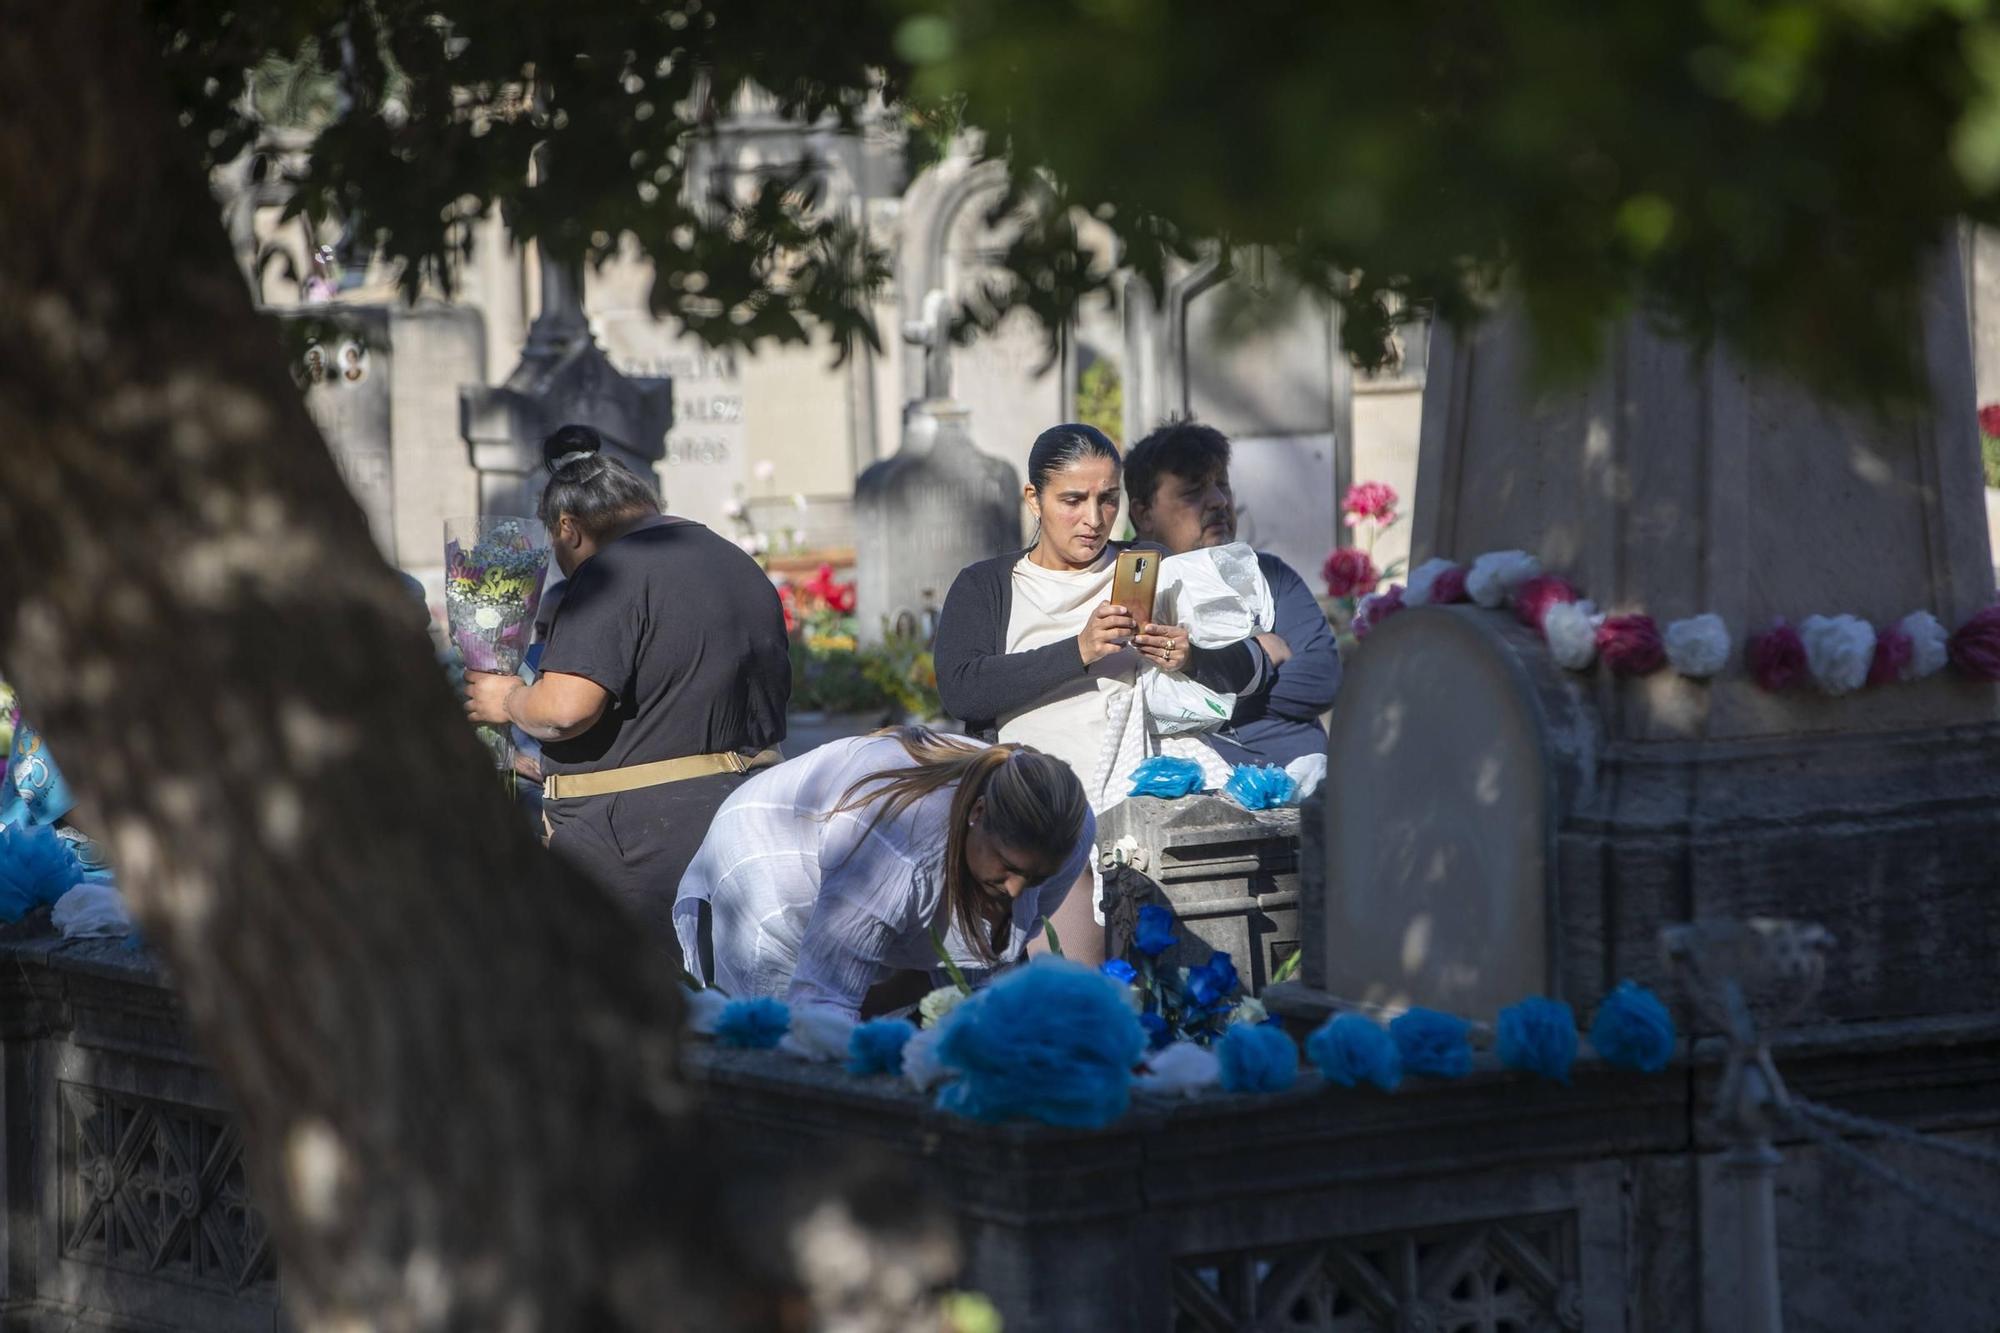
x=979, y=680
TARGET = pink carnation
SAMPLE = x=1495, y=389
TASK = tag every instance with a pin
x=1349, y=572
x=1777, y=657
x=1630, y=645
x=1377, y=608
x=1370, y=500
x=1989, y=420
x=1534, y=598
x=1893, y=651
x=1449, y=587
x=1975, y=648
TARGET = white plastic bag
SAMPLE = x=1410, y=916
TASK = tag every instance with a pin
x=1221, y=597
x=92, y=908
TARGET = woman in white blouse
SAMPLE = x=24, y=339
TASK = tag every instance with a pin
x=833, y=878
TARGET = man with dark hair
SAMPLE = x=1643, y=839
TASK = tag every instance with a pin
x=1177, y=490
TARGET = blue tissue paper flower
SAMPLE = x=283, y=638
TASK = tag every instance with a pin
x=1209, y=985
x=756, y=1025
x=36, y=867
x=1054, y=1041
x=876, y=1047
x=1158, y=1034
x=1539, y=1036
x=1167, y=777
x=1119, y=970
x=1155, y=934
x=1351, y=1049
x=1432, y=1043
x=1257, y=1058
x=1633, y=1030
x=1260, y=786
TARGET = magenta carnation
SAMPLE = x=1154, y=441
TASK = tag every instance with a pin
x=1449, y=587
x=1349, y=572
x=1975, y=648
x=1534, y=598
x=1630, y=645
x=1377, y=608
x=1893, y=651
x=1370, y=500
x=1777, y=657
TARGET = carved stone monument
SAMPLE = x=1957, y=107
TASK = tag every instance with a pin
x=564, y=377
x=921, y=515
x=1498, y=825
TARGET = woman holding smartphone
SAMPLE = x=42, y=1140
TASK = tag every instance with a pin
x=1032, y=649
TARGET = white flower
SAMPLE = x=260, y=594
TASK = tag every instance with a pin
x=1495, y=575
x=734, y=509
x=1418, y=593
x=818, y=1032
x=1183, y=1068
x=703, y=1008
x=1699, y=645
x=1571, y=631
x=487, y=617
x=752, y=543
x=799, y=502
x=938, y=1003
x=1249, y=1010
x=1928, y=642
x=765, y=470
x=921, y=1069
x=1839, y=650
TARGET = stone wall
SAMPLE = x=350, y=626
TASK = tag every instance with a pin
x=1487, y=1204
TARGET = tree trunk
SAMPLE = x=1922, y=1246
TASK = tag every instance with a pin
x=456, y=1063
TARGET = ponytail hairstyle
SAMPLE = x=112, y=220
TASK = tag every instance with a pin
x=598, y=491
x=1034, y=803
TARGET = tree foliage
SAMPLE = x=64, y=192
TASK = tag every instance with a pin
x=1770, y=172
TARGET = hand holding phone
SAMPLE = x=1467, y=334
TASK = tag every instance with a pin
x=1109, y=630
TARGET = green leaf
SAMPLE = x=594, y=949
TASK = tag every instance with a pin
x=1289, y=968
x=951, y=969
x=1055, y=940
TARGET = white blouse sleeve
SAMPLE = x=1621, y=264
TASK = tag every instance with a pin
x=867, y=900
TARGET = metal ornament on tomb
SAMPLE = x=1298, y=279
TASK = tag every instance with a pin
x=924, y=514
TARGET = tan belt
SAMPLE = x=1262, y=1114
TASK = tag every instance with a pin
x=562, y=786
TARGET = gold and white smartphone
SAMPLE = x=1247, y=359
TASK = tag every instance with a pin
x=1135, y=582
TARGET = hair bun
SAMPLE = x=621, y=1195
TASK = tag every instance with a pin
x=568, y=444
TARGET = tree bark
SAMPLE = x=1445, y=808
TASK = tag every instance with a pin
x=456, y=1063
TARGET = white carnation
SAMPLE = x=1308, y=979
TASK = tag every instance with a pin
x=921, y=1069
x=1571, y=631
x=1699, y=645
x=1928, y=644
x=1183, y=1068
x=1495, y=575
x=1249, y=1009
x=939, y=1003
x=703, y=1008
x=1418, y=593
x=1839, y=650
x=818, y=1032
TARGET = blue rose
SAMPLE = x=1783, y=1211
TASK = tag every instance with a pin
x=1210, y=984
x=1156, y=930
x=1158, y=1034
x=1433, y=1044
x=1119, y=970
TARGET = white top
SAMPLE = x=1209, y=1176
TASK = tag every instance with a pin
x=815, y=910
x=1050, y=605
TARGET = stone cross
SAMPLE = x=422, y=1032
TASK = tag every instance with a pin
x=932, y=332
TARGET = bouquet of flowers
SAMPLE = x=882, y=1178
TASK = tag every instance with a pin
x=493, y=584
x=1181, y=1003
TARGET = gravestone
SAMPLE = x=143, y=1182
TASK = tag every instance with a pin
x=1497, y=824
x=348, y=378
x=923, y=514
x=563, y=378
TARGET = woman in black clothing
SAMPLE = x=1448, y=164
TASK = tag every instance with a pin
x=664, y=681
x=1030, y=650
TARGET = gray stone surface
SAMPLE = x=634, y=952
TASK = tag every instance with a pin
x=1231, y=875
x=923, y=514
x=1449, y=1205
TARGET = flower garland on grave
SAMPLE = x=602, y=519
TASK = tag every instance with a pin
x=1060, y=1043
x=1836, y=654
